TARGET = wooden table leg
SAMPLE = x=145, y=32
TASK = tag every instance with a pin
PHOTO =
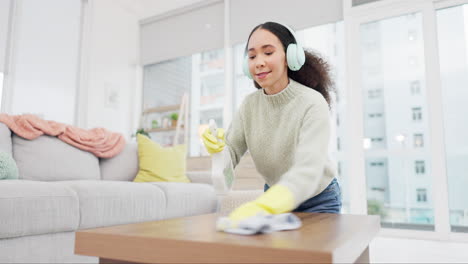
x=364, y=257
x=108, y=261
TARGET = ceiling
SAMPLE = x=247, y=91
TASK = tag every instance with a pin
x=148, y=8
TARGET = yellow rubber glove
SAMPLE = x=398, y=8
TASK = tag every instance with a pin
x=214, y=144
x=276, y=200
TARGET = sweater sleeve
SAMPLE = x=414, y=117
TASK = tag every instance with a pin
x=235, y=138
x=310, y=155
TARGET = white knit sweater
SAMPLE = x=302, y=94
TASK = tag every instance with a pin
x=287, y=135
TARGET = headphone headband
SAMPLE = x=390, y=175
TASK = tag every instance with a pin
x=292, y=33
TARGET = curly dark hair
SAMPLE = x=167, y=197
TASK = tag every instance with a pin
x=315, y=73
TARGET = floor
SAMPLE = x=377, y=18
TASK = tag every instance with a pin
x=397, y=250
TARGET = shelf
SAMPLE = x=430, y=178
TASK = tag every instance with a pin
x=210, y=107
x=160, y=129
x=161, y=109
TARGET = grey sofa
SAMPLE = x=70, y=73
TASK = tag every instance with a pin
x=63, y=189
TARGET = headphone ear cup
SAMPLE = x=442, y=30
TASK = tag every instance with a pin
x=245, y=67
x=291, y=56
x=300, y=55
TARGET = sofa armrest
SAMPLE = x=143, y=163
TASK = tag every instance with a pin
x=199, y=177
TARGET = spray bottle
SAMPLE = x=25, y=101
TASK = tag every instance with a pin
x=222, y=171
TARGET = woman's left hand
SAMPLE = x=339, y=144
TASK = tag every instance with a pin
x=277, y=200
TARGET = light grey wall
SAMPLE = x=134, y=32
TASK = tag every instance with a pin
x=4, y=25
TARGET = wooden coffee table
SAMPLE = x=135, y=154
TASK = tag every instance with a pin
x=324, y=238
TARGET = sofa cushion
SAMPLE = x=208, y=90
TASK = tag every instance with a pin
x=104, y=203
x=48, y=158
x=158, y=164
x=33, y=208
x=123, y=167
x=5, y=139
x=185, y=199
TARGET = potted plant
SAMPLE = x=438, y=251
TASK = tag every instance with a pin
x=154, y=124
x=174, y=117
x=141, y=131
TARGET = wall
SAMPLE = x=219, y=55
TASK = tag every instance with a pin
x=110, y=83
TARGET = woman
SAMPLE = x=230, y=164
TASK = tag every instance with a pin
x=284, y=125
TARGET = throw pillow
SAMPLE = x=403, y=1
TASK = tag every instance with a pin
x=8, y=168
x=158, y=164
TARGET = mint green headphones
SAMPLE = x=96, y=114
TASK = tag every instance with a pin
x=295, y=56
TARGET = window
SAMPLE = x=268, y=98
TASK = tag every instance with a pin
x=202, y=76
x=388, y=130
x=415, y=87
x=418, y=140
x=412, y=35
x=46, y=65
x=377, y=186
x=376, y=164
x=374, y=93
x=421, y=195
x=158, y=79
x=413, y=61
x=376, y=140
x=4, y=25
x=417, y=113
x=419, y=167
x=452, y=34
x=375, y=115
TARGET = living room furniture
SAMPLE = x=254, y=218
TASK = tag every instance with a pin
x=323, y=238
x=62, y=189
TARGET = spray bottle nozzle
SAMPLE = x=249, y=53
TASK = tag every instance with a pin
x=213, y=127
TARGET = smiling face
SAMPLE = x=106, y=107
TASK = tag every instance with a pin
x=267, y=61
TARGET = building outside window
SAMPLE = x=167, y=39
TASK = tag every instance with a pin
x=388, y=132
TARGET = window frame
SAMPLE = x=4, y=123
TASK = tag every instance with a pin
x=354, y=17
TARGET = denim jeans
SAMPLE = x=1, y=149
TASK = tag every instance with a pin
x=328, y=201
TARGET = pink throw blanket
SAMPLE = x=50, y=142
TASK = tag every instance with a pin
x=99, y=141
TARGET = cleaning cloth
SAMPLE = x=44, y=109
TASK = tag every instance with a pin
x=260, y=224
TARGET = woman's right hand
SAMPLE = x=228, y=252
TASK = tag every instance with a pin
x=214, y=144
